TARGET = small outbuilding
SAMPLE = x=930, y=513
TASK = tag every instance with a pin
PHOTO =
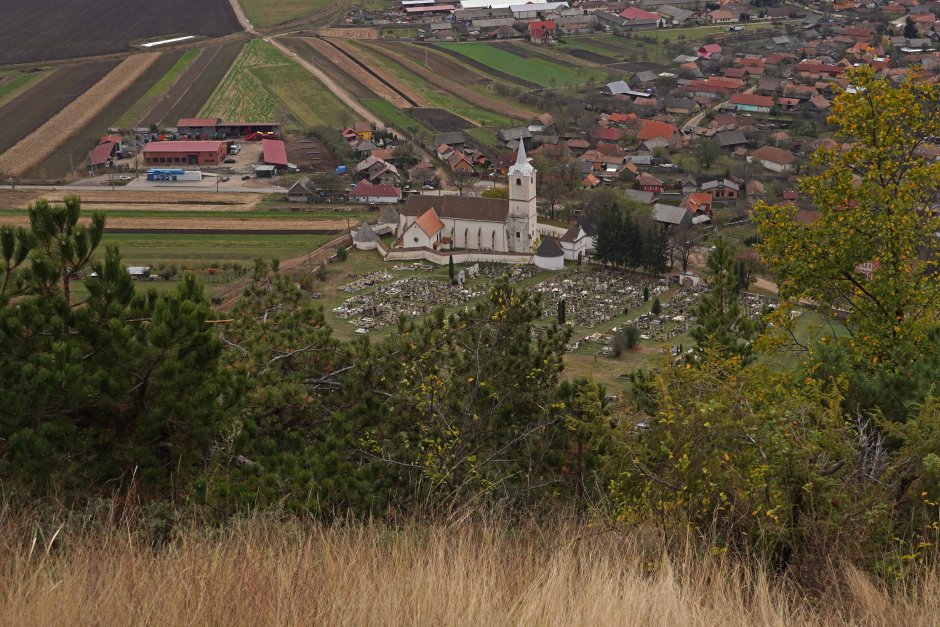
x=550, y=255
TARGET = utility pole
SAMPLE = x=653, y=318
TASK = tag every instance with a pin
x=71, y=165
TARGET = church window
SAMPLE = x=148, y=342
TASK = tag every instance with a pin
x=518, y=235
x=416, y=240
x=518, y=181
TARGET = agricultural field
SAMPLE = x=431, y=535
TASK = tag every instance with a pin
x=28, y=111
x=519, y=69
x=134, y=115
x=13, y=82
x=263, y=84
x=195, y=85
x=49, y=137
x=395, y=117
x=41, y=30
x=271, y=12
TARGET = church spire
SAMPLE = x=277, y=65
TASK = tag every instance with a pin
x=521, y=167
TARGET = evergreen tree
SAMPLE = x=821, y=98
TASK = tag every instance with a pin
x=450, y=268
x=719, y=319
x=657, y=307
x=561, y=311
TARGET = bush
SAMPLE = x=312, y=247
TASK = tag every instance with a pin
x=341, y=253
x=631, y=336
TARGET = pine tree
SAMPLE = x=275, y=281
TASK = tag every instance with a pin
x=719, y=320
x=561, y=311
x=450, y=268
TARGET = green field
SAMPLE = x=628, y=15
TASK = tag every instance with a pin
x=145, y=102
x=395, y=118
x=17, y=83
x=484, y=136
x=200, y=251
x=435, y=96
x=270, y=12
x=538, y=71
x=263, y=84
x=314, y=215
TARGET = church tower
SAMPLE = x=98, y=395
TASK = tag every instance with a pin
x=523, y=217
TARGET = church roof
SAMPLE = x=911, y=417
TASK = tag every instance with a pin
x=459, y=207
x=521, y=167
x=388, y=215
x=365, y=234
x=549, y=248
x=429, y=222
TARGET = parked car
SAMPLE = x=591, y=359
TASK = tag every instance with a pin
x=246, y=177
x=229, y=161
x=224, y=179
x=125, y=177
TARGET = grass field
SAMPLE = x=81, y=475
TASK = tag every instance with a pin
x=539, y=71
x=395, y=117
x=198, y=251
x=436, y=97
x=145, y=102
x=263, y=84
x=16, y=82
x=313, y=216
x=270, y=12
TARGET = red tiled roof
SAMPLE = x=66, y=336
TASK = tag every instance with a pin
x=752, y=100
x=367, y=189
x=633, y=13
x=429, y=222
x=275, y=152
x=652, y=129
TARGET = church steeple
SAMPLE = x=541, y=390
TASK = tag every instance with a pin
x=521, y=167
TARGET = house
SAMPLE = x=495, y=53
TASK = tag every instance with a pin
x=650, y=129
x=698, y=203
x=459, y=163
x=301, y=191
x=378, y=171
x=577, y=146
x=363, y=129
x=774, y=159
x=590, y=181
x=638, y=19
x=649, y=183
x=754, y=190
x=679, y=106
x=643, y=79
x=578, y=241
x=639, y=196
x=729, y=140
x=542, y=32
x=675, y=16
x=671, y=216
x=622, y=88
x=365, y=191
x=454, y=139
x=752, y=103
x=724, y=188
x=508, y=136
x=708, y=51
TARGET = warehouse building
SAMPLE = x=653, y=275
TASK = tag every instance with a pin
x=210, y=153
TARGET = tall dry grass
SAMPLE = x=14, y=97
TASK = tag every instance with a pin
x=263, y=573
x=38, y=145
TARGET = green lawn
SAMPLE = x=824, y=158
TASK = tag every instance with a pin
x=270, y=12
x=132, y=115
x=263, y=84
x=538, y=71
x=485, y=136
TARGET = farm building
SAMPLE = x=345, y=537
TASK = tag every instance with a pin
x=774, y=159
x=752, y=103
x=365, y=191
x=275, y=152
x=185, y=153
x=102, y=153
x=216, y=128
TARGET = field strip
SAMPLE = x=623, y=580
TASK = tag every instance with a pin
x=464, y=93
x=357, y=73
x=419, y=99
x=180, y=86
x=42, y=142
x=198, y=91
x=487, y=69
x=173, y=223
x=133, y=115
x=35, y=106
x=15, y=85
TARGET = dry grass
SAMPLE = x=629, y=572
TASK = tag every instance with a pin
x=38, y=145
x=260, y=573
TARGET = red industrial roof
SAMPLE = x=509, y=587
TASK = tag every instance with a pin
x=198, y=122
x=102, y=152
x=434, y=8
x=275, y=152
x=110, y=138
x=183, y=146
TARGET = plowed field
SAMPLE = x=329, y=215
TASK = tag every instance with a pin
x=39, y=30
x=200, y=86
x=28, y=111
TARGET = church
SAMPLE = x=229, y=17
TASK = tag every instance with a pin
x=490, y=226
